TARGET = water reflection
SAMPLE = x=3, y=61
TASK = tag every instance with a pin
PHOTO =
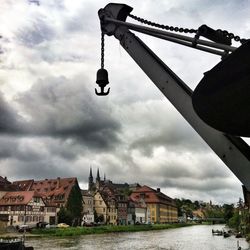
x=188, y=238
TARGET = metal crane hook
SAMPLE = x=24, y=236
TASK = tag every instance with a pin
x=102, y=81
x=102, y=91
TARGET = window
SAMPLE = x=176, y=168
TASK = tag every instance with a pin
x=104, y=209
x=36, y=199
x=20, y=218
x=51, y=209
x=100, y=202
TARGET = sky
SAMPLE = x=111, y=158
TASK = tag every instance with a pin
x=53, y=125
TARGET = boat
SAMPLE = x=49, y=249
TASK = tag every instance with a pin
x=238, y=235
x=13, y=244
x=226, y=234
x=217, y=232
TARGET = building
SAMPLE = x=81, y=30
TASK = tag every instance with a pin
x=109, y=198
x=105, y=207
x=55, y=192
x=100, y=207
x=25, y=207
x=122, y=209
x=88, y=207
x=162, y=209
x=6, y=186
x=140, y=211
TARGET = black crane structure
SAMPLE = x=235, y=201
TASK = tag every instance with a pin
x=218, y=108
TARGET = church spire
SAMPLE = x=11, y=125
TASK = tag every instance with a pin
x=91, y=183
x=98, y=175
x=90, y=173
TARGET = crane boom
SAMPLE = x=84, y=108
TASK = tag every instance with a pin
x=233, y=151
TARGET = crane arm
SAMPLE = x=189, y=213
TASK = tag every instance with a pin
x=233, y=151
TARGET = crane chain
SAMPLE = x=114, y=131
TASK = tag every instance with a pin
x=102, y=50
x=232, y=36
x=161, y=26
x=185, y=30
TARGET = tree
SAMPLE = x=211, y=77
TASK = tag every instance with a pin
x=64, y=216
x=228, y=212
x=74, y=205
x=98, y=218
x=234, y=221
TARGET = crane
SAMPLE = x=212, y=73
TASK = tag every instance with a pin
x=211, y=109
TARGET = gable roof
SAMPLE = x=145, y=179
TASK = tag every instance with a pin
x=24, y=185
x=151, y=195
x=3, y=180
x=18, y=198
x=48, y=188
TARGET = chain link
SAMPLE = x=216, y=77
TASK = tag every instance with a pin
x=161, y=26
x=102, y=50
x=185, y=30
x=232, y=36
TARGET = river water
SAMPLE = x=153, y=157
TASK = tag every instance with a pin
x=187, y=238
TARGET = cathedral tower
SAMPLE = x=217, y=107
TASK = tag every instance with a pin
x=91, y=183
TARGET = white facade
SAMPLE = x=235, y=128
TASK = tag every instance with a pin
x=140, y=214
x=88, y=219
x=31, y=213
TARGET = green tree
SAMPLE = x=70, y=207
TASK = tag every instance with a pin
x=64, y=216
x=74, y=205
x=234, y=221
x=228, y=211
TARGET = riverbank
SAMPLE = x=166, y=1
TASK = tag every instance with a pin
x=197, y=237
x=75, y=231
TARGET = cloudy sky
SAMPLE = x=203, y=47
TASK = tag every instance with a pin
x=52, y=123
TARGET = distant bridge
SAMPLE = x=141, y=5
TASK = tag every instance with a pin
x=214, y=220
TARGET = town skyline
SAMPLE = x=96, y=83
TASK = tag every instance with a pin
x=53, y=124
x=103, y=177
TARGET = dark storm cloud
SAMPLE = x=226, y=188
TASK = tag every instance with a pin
x=7, y=147
x=179, y=140
x=65, y=109
x=46, y=168
x=58, y=108
x=10, y=121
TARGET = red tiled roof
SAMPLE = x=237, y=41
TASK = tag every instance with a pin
x=51, y=187
x=24, y=185
x=150, y=196
x=18, y=198
x=4, y=180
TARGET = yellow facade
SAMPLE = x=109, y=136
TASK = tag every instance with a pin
x=162, y=213
x=100, y=206
x=112, y=213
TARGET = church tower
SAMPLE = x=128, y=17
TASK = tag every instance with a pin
x=98, y=179
x=91, y=183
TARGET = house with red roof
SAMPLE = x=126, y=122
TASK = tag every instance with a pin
x=55, y=192
x=160, y=207
x=6, y=186
x=25, y=207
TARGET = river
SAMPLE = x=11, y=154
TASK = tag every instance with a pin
x=187, y=238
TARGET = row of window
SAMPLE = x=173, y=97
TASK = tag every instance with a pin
x=28, y=208
x=112, y=217
x=29, y=218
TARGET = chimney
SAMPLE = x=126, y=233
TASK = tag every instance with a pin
x=58, y=182
x=158, y=190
